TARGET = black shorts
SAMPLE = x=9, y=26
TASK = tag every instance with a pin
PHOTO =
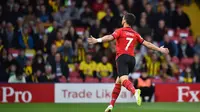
x=125, y=64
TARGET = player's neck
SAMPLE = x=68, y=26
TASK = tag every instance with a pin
x=126, y=25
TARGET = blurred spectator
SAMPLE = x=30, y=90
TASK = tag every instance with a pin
x=38, y=63
x=52, y=54
x=62, y=15
x=106, y=22
x=97, y=5
x=48, y=75
x=74, y=14
x=144, y=29
x=43, y=14
x=173, y=65
x=41, y=39
x=187, y=76
x=79, y=51
x=1, y=44
x=72, y=36
x=159, y=31
x=150, y=15
x=87, y=16
x=25, y=39
x=52, y=32
x=196, y=68
x=114, y=6
x=65, y=29
x=82, y=8
x=12, y=70
x=95, y=29
x=165, y=72
x=53, y=3
x=168, y=43
x=130, y=6
x=172, y=7
x=38, y=77
x=184, y=49
x=163, y=15
x=3, y=57
x=68, y=52
x=59, y=40
x=18, y=78
x=24, y=6
x=87, y=68
x=19, y=27
x=30, y=16
x=11, y=61
x=21, y=59
x=145, y=85
x=197, y=46
x=104, y=68
x=15, y=14
x=8, y=9
x=153, y=65
x=1, y=13
x=10, y=37
x=60, y=68
x=181, y=19
x=28, y=70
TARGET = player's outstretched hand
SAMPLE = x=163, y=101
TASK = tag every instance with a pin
x=164, y=50
x=92, y=40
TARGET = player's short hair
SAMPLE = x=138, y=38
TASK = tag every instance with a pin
x=130, y=18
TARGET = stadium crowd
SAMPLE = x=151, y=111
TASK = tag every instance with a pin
x=46, y=41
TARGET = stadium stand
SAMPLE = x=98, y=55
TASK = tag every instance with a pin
x=47, y=27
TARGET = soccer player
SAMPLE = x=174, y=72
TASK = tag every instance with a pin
x=126, y=39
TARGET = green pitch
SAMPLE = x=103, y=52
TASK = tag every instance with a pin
x=128, y=107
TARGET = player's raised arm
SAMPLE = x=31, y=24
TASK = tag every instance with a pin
x=105, y=38
x=154, y=47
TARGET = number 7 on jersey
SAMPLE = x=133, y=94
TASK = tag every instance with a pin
x=129, y=42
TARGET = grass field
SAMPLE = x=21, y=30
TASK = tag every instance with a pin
x=129, y=107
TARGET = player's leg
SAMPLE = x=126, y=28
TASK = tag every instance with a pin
x=115, y=94
x=124, y=78
x=116, y=91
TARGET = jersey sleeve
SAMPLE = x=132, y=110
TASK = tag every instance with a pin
x=116, y=33
x=139, y=39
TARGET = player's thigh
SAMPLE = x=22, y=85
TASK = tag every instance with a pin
x=118, y=80
x=131, y=64
x=122, y=65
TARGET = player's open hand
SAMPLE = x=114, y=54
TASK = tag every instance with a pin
x=92, y=40
x=164, y=50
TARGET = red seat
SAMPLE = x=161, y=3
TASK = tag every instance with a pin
x=91, y=80
x=175, y=60
x=76, y=80
x=74, y=74
x=62, y=79
x=190, y=40
x=182, y=33
x=14, y=52
x=79, y=30
x=187, y=61
x=107, y=80
x=172, y=80
x=181, y=67
x=157, y=80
